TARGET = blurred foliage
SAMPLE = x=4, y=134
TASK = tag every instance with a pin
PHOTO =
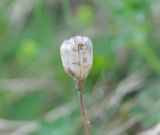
x=125, y=35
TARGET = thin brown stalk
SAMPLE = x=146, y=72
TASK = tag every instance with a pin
x=85, y=120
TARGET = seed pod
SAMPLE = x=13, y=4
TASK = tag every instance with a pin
x=77, y=55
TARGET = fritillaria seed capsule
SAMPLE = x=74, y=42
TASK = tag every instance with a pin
x=77, y=55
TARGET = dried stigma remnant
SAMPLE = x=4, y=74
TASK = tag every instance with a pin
x=77, y=55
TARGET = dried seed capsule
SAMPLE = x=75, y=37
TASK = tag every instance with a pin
x=77, y=55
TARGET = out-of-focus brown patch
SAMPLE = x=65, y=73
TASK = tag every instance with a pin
x=71, y=73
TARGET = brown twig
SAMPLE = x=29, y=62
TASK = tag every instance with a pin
x=85, y=120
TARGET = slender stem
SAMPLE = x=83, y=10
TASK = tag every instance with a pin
x=85, y=120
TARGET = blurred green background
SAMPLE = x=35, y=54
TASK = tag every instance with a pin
x=122, y=92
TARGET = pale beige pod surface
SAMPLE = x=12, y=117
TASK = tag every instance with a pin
x=77, y=56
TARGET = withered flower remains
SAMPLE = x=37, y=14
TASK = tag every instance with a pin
x=77, y=55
